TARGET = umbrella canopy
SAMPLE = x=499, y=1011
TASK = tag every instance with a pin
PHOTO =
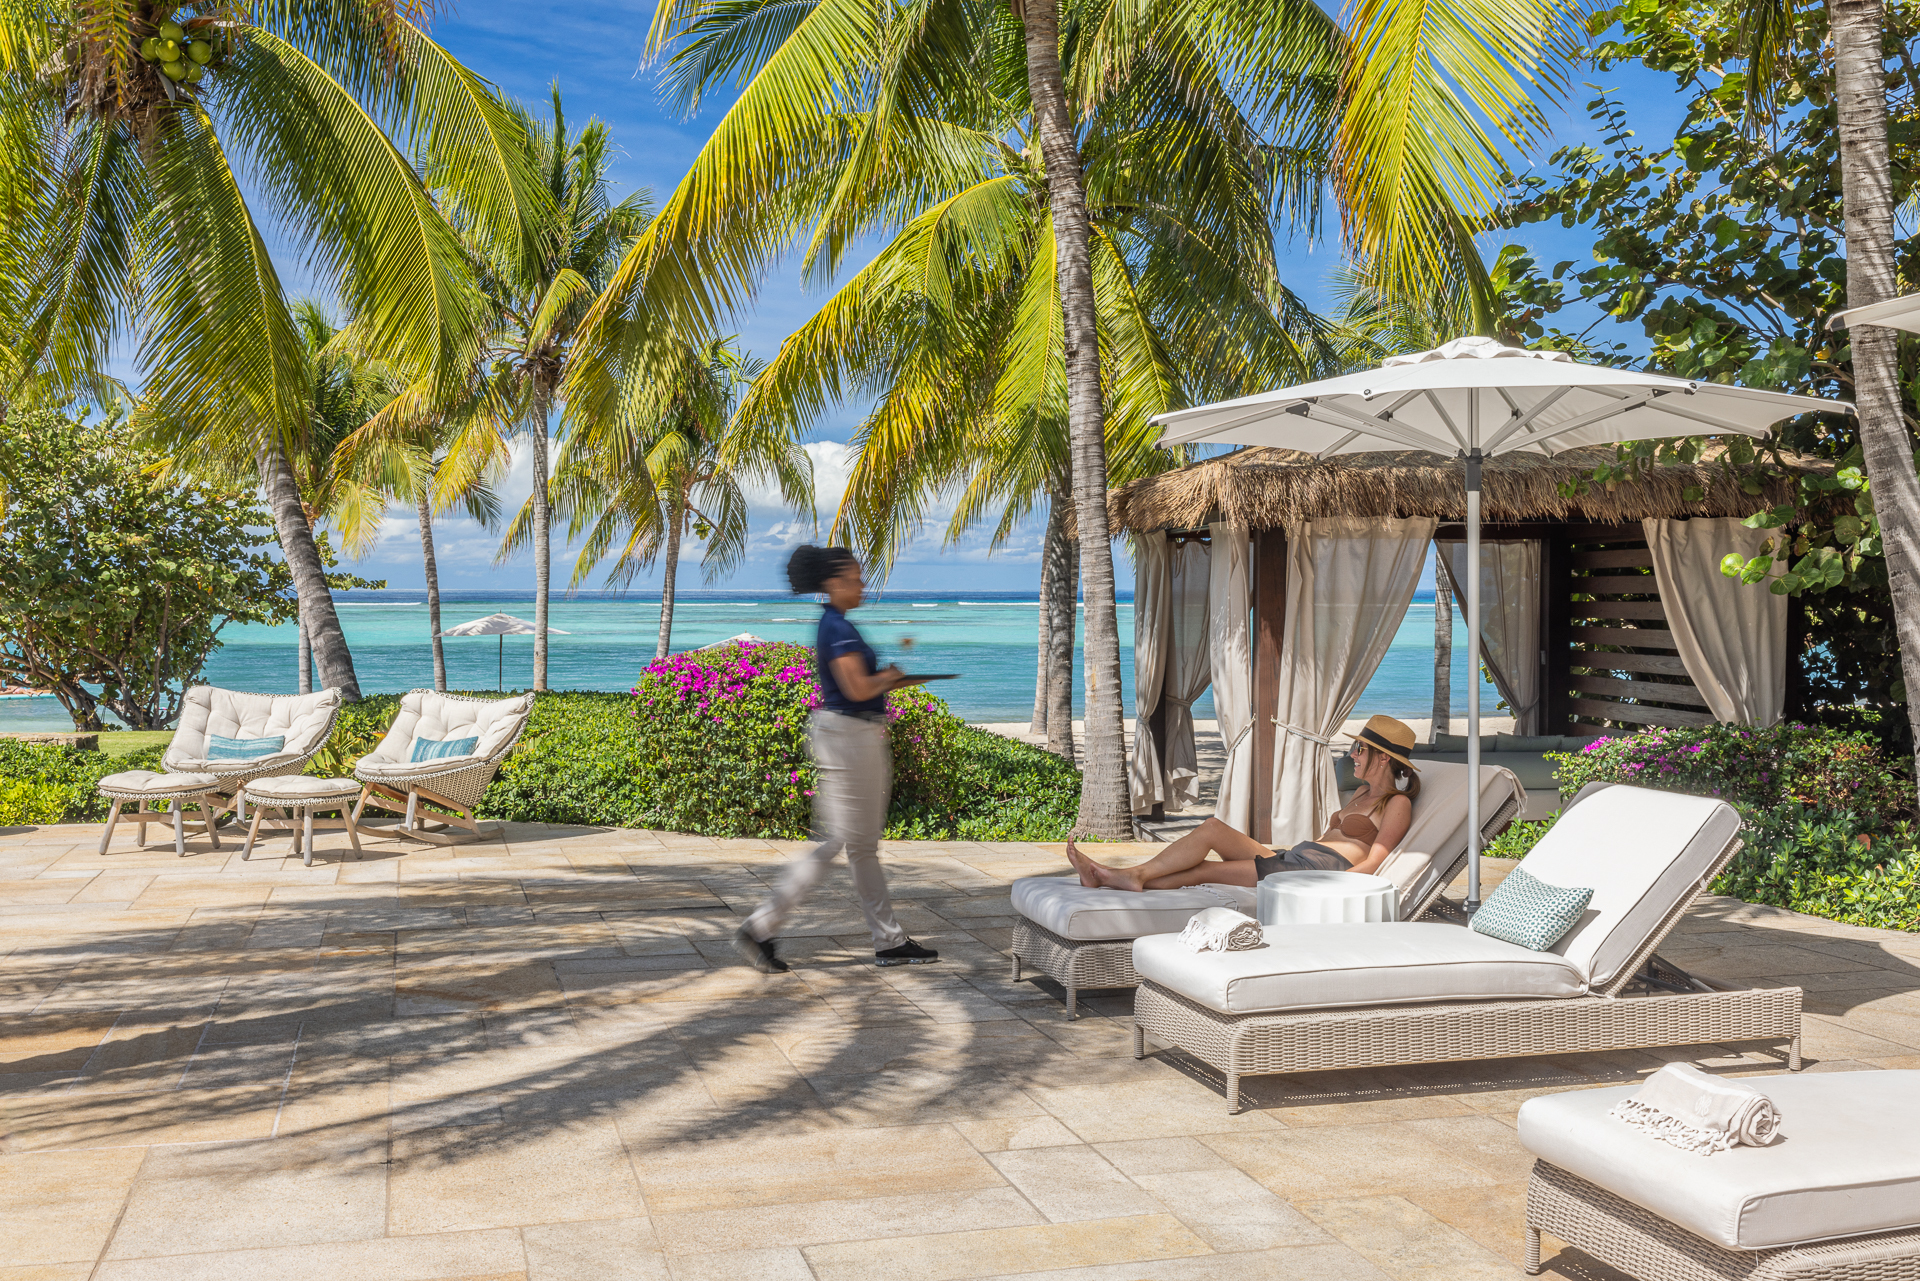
x=1475, y=398
x=499, y=625
x=1895, y=313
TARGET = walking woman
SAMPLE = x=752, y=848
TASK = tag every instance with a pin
x=854, y=763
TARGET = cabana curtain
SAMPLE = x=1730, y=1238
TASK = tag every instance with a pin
x=1349, y=581
x=1189, y=668
x=1231, y=649
x=1731, y=636
x=1509, y=622
x=1145, y=781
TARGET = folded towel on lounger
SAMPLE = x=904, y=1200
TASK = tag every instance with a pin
x=1695, y=1112
x=1221, y=929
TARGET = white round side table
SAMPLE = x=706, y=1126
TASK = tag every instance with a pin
x=1307, y=898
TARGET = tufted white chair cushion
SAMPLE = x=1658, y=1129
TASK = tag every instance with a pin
x=304, y=721
x=426, y=714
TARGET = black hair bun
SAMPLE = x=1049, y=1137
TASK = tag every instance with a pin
x=809, y=568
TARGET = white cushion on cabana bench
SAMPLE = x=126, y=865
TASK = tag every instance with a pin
x=1311, y=967
x=1071, y=910
x=1847, y=1162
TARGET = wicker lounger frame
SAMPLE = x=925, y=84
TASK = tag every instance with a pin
x=1622, y=1235
x=445, y=796
x=1089, y=964
x=1703, y=1013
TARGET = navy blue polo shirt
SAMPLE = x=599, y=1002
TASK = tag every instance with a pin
x=837, y=637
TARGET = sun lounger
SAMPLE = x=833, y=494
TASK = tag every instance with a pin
x=201, y=769
x=401, y=775
x=1083, y=938
x=1344, y=996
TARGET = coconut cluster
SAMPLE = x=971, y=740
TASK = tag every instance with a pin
x=182, y=57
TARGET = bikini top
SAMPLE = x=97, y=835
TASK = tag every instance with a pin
x=1359, y=827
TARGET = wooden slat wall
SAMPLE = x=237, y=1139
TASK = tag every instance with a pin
x=1621, y=669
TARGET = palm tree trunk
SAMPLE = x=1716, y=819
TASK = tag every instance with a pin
x=1442, y=646
x=1104, y=806
x=433, y=588
x=676, y=517
x=305, y=685
x=1061, y=582
x=542, y=523
x=1044, y=656
x=309, y=579
x=1859, y=62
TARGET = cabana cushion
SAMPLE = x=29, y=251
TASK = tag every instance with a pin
x=1308, y=967
x=1848, y=1161
x=209, y=711
x=1071, y=910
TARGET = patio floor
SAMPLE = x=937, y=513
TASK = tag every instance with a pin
x=536, y=1058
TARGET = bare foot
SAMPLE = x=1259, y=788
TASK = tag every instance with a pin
x=1083, y=865
x=1116, y=878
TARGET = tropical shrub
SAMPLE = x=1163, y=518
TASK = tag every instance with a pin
x=53, y=783
x=28, y=804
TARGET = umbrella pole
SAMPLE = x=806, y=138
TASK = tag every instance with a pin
x=500, y=667
x=1473, y=676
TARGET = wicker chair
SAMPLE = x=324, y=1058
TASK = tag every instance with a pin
x=214, y=783
x=1433, y=852
x=441, y=789
x=1602, y=987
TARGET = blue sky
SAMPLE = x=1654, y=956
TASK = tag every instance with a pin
x=593, y=52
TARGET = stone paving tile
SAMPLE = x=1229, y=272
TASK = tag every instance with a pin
x=538, y=1058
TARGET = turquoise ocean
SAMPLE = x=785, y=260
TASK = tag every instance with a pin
x=987, y=637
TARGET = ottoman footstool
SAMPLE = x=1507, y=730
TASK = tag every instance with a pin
x=1836, y=1196
x=143, y=788
x=297, y=797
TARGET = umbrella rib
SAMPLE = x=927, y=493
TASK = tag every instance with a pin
x=1711, y=421
x=1173, y=436
x=1524, y=422
x=1369, y=425
x=1595, y=415
x=1447, y=418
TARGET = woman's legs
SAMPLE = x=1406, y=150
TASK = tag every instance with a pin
x=1183, y=862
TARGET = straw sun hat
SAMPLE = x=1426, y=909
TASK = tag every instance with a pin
x=1395, y=738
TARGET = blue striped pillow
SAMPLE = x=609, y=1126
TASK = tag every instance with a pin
x=1528, y=911
x=428, y=749
x=222, y=748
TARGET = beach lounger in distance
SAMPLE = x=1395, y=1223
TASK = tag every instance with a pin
x=400, y=775
x=1345, y=996
x=1083, y=938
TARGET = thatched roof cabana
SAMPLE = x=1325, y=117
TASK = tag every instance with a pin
x=1272, y=488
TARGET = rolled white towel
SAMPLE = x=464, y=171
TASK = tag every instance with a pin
x=1695, y=1112
x=1221, y=929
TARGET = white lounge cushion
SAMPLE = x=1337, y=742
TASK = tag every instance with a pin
x=1310, y=967
x=1642, y=851
x=1071, y=910
x=295, y=788
x=303, y=721
x=1848, y=1161
x=144, y=782
x=426, y=714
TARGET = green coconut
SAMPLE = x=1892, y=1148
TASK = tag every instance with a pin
x=174, y=70
x=169, y=51
x=201, y=52
x=172, y=31
x=195, y=73
x=150, y=49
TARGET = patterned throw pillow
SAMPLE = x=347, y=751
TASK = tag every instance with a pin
x=1528, y=911
x=428, y=749
x=221, y=748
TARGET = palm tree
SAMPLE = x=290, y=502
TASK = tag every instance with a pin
x=838, y=133
x=123, y=200
x=643, y=487
x=535, y=303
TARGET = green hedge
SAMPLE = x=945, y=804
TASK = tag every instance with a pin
x=49, y=783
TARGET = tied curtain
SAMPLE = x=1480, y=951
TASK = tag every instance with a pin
x=1189, y=668
x=1509, y=622
x=1349, y=582
x=1230, y=646
x=1145, y=779
x=1731, y=636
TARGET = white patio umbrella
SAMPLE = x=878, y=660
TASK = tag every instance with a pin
x=1894, y=313
x=503, y=626
x=1475, y=398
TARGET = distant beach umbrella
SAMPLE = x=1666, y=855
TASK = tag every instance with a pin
x=503, y=626
x=744, y=638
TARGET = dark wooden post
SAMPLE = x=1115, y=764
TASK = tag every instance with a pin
x=1157, y=721
x=1556, y=629
x=1269, y=622
x=1796, y=661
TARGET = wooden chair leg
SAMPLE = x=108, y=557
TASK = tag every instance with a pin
x=353, y=827
x=413, y=808
x=253, y=833
x=113, y=816
x=361, y=804
x=211, y=807
x=140, y=817
x=291, y=817
x=179, y=831
x=306, y=818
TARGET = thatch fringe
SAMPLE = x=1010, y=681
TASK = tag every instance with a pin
x=1272, y=488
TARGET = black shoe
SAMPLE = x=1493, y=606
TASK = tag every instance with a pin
x=908, y=953
x=759, y=953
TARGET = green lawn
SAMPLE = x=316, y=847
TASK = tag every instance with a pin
x=120, y=742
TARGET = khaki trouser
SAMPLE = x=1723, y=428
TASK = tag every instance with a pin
x=854, y=761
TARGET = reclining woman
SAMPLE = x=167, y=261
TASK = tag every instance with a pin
x=1359, y=836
